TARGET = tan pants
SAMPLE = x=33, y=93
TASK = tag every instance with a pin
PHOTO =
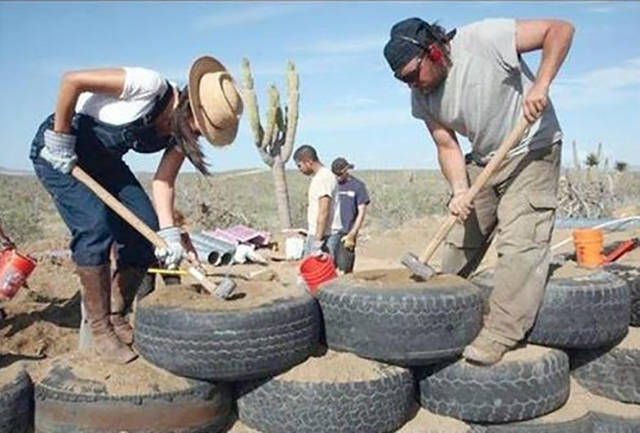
x=518, y=206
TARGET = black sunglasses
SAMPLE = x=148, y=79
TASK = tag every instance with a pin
x=412, y=76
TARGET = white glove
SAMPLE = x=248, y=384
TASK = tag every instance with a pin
x=172, y=255
x=316, y=248
x=59, y=150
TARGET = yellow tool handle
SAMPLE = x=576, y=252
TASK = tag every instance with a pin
x=167, y=271
x=514, y=137
x=135, y=222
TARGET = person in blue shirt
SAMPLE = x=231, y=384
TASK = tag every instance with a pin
x=353, y=200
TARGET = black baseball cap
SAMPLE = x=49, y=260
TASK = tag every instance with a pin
x=339, y=165
x=409, y=38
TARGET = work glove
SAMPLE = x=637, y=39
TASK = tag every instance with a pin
x=59, y=150
x=316, y=248
x=349, y=242
x=172, y=255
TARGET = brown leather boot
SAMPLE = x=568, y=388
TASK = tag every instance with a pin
x=96, y=300
x=124, y=287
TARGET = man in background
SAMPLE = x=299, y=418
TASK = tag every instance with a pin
x=353, y=200
x=323, y=217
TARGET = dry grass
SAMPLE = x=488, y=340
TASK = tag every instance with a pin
x=27, y=212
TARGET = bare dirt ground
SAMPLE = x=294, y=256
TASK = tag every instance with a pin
x=42, y=321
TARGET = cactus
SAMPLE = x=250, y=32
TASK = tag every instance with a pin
x=274, y=141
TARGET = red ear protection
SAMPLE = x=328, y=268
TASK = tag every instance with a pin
x=434, y=53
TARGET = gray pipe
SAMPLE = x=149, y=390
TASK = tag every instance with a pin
x=209, y=244
x=207, y=253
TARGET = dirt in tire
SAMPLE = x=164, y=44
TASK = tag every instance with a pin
x=429, y=422
x=609, y=416
x=81, y=393
x=387, y=316
x=332, y=392
x=263, y=330
x=16, y=400
x=611, y=372
x=580, y=309
x=528, y=382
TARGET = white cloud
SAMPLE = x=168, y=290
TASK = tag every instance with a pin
x=355, y=119
x=306, y=66
x=352, y=101
x=247, y=15
x=599, y=87
x=343, y=46
x=600, y=9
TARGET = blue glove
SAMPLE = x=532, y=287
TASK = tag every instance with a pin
x=59, y=150
x=172, y=255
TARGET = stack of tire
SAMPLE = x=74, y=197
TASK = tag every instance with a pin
x=374, y=352
x=194, y=348
x=588, y=317
x=424, y=326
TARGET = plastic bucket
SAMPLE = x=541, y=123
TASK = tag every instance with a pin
x=293, y=248
x=588, y=244
x=14, y=271
x=316, y=270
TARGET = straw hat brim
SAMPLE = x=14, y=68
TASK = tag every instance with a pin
x=214, y=135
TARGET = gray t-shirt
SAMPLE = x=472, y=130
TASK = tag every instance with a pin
x=481, y=98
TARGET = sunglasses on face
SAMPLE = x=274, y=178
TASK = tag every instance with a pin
x=413, y=76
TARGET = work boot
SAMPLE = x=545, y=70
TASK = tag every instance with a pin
x=124, y=286
x=97, y=303
x=484, y=351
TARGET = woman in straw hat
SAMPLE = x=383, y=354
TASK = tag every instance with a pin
x=100, y=115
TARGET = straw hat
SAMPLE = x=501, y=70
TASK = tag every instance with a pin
x=215, y=102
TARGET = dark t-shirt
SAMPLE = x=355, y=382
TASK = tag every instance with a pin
x=351, y=193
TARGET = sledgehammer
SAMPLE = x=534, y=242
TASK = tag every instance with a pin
x=222, y=290
x=418, y=265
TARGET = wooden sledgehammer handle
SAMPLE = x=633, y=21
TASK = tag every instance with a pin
x=135, y=222
x=510, y=140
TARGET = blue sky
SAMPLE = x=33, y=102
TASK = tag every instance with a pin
x=350, y=103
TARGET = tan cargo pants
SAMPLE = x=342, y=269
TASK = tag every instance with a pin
x=518, y=206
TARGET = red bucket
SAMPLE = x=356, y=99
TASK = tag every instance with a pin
x=14, y=271
x=315, y=270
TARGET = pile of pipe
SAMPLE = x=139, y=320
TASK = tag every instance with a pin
x=213, y=250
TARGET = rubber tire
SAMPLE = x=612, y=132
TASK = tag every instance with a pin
x=229, y=345
x=368, y=406
x=578, y=313
x=612, y=372
x=631, y=274
x=16, y=403
x=410, y=324
x=578, y=424
x=606, y=423
x=94, y=410
x=526, y=388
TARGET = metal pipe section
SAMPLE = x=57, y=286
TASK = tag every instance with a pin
x=225, y=250
x=207, y=253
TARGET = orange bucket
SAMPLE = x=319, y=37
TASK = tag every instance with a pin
x=588, y=244
x=316, y=270
x=14, y=271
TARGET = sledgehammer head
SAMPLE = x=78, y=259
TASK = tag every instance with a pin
x=417, y=268
x=225, y=288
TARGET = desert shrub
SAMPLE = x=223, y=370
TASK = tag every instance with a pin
x=24, y=206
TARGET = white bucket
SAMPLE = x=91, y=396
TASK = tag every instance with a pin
x=293, y=248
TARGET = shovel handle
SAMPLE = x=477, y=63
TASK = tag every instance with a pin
x=123, y=212
x=496, y=160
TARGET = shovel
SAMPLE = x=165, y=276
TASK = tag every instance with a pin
x=418, y=265
x=223, y=290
